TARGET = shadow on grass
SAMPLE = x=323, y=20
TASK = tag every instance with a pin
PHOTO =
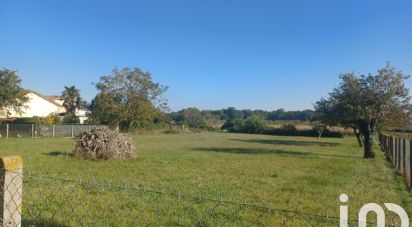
x=250, y=151
x=288, y=142
x=59, y=154
x=262, y=151
x=44, y=223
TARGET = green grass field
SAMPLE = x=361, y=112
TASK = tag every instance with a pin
x=282, y=170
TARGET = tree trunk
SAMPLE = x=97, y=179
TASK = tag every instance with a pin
x=358, y=137
x=366, y=130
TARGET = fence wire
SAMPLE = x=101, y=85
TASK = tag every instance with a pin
x=61, y=201
x=31, y=130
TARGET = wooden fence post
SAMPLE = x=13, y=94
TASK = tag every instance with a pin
x=32, y=130
x=53, y=130
x=394, y=151
x=408, y=162
x=7, y=130
x=11, y=185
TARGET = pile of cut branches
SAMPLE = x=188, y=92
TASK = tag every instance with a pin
x=103, y=144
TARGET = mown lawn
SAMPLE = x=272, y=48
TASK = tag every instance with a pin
x=281, y=171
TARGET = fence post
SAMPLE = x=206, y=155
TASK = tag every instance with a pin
x=11, y=185
x=394, y=150
x=408, y=163
x=53, y=130
x=72, y=131
x=7, y=130
x=32, y=130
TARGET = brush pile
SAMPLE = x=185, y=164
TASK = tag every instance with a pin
x=103, y=144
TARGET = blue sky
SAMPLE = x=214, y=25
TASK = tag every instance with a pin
x=212, y=54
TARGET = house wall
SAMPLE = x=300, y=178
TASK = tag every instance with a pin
x=38, y=106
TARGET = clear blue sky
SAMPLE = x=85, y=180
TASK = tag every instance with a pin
x=212, y=54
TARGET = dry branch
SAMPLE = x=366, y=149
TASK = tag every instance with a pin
x=103, y=144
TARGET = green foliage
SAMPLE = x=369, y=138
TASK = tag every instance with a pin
x=234, y=125
x=70, y=118
x=12, y=96
x=72, y=99
x=254, y=124
x=24, y=120
x=192, y=118
x=289, y=127
x=128, y=99
x=292, y=131
x=368, y=103
x=233, y=113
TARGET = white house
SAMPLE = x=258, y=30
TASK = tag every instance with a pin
x=37, y=106
x=42, y=106
x=82, y=114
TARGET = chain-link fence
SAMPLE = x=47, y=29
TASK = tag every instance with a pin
x=50, y=200
x=34, y=130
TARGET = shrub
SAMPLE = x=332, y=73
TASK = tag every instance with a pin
x=71, y=119
x=289, y=127
x=254, y=124
x=307, y=132
x=234, y=125
x=103, y=144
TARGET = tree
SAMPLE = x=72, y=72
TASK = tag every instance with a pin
x=191, y=117
x=129, y=98
x=12, y=96
x=368, y=102
x=72, y=99
x=254, y=124
x=234, y=125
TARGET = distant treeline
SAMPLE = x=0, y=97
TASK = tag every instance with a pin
x=233, y=113
x=250, y=121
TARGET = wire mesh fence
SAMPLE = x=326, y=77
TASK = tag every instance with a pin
x=32, y=130
x=50, y=200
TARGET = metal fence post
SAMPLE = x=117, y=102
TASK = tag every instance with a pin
x=11, y=185
x=53, y=130
x=32, y=130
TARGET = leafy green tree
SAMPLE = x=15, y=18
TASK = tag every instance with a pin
x=72, y=99
x=129, y=98
x=234, y=125
x=233, y=113
x=191, y=117
x=369, y=102
x=12, y=96
x=254, y=124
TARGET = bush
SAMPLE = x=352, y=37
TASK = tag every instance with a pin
x=103, y=144
x=308, y=132
x=71, y=119
x=234, y=125
x=254, y=124
x=289, y=127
